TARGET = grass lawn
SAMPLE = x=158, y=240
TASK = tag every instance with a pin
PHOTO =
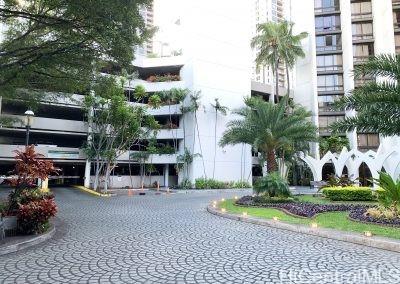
x=333, y=220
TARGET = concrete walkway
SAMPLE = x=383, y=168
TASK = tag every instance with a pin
x=172, y=239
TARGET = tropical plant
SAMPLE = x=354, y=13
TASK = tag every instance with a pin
x=389, y=194
x=291, y=48
x=35, y=208
x=342, y=181
x=377, y=103
x=114, y=126
x=155, y=101
x=272, y=185
x=269, y=128
x=139, y=93
x=194, y=107
x=184, y=160
x=29, y=167
x=222, y=110
x=276, y=44
x=333, y=143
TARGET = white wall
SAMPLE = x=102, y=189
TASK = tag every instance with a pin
x=305, y=85
x=217, y=48
x=125, y=181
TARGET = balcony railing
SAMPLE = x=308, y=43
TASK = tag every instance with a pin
x=363, y=36
x=361, y=16
x=327, y=68
x=332, y=88
x=361, y=82
x=329, y=48
x=330, y=9
x=328, y=29
x=360, y=59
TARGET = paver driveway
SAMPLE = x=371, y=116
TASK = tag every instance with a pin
x=172, y=239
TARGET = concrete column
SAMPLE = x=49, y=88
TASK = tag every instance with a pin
x=87, y=174
x=166, y=175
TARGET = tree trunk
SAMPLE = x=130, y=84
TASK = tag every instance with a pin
x=97, y=175
x=272, y=165
x=215, y=140
x=107, y=175
x=276, y=98
x=288, y=80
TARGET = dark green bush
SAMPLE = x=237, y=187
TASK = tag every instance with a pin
x=272, y=185
x=202, y=183
x=350, y=193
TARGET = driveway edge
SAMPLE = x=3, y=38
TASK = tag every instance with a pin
x=374, y=241
x=28, y=243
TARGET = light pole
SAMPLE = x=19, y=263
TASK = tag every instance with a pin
x=28, y=123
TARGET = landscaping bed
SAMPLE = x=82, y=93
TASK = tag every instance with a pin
x=338, y=220
x=361, y=216
x=302, y=209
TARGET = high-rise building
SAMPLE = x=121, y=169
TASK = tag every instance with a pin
x=343, y=34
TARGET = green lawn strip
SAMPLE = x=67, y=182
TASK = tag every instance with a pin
x=333, y=220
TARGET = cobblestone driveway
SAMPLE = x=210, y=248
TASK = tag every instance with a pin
x=172, y=239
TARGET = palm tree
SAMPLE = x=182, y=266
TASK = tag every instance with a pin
x=291, y=48
x=270, y=128
x=268, y=43
x=277, y=44
x=377, y=103
x=218, y=109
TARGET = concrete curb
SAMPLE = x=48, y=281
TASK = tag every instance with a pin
x=87, y=190
x=374, y=241
x=28, y=243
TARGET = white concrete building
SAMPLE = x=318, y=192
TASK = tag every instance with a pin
x=343, y=33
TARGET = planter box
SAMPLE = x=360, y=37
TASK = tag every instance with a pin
x=10, y=225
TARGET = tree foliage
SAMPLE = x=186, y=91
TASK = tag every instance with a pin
x=269, y=128
x=377, y=104
x=333, y=143
x=114, y=125
x=276, y=44
x=56, y=45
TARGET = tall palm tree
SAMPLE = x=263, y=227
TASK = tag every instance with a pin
x=218, y=109
x=277, y=44
x=268, y=41
x=269, y=128
x=377, y=104
x=291, y=48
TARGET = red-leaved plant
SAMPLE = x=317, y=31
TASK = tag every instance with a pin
x=33, y=217
x=29, y=167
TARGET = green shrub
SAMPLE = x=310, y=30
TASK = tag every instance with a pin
x=389, y=192
x=185, y=184
x=241, y=184
x=272, y=185
x=202, y=183
x=350, y=193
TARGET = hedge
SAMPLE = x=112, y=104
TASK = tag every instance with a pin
x=349, y=193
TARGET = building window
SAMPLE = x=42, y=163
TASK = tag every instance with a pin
x=326, y=121
x=327, y=23
x=361, y=52
x=397, y=43
x=328, y=83
x=361, y=10
x=368, y=141
x=326, y=5
x=362, y=31
x=325, y=103
x=330, y=62
x=329, y=42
